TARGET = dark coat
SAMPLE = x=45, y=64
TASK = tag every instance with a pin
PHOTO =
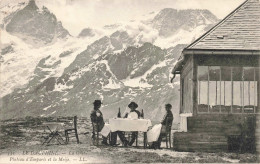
x=98, y=121
x=168, y=115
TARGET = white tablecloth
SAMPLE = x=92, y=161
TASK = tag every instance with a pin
x=126, y=125
x=129, y=125
x=106, y=130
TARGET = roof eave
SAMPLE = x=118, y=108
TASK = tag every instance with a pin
x=177, y=68
x=221, y=51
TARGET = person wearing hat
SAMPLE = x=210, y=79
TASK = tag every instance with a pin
x=133, y=114
x=96, y=117
x=132, y=107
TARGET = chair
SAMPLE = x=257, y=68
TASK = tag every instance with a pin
x=130, y=136
x=95, y=133
x=74, y=131
x=167, y=132
x=52, y=135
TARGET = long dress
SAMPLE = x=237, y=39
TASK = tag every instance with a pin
x=154, y=133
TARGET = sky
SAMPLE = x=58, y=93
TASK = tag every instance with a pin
x=78, y=14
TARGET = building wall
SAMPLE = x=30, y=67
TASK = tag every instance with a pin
x=186, y=87
x=216, y=133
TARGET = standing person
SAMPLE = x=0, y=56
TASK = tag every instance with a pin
x=97, y=119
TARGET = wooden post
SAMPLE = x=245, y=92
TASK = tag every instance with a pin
x=216, y=99
x=194, y=86
x=220, y=89
x=232, y=87
x=224, y=93
x=255, y=98
x=181, y=93
x=208, y=90
x=258, y=116
x=243, y=91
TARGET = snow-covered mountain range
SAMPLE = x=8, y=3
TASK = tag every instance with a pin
x=47, y=72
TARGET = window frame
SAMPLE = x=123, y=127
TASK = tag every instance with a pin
x=242, y=96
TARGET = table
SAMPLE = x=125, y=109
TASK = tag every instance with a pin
x=53, y=132
x=129, y=125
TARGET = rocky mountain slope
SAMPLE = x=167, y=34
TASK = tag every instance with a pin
x=131, y=62
x=86, y=32
x=35, y=26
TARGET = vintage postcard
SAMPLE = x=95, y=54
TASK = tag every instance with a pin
x=129, y=81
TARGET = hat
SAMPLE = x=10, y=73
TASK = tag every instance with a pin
x=168, y=105
x=97, y=102
x=133, y=104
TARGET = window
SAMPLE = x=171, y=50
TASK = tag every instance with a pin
x=203, y=89
x=227, y=89
x=249, y=90
x=187, y=93
x=214, y=89
x=237, y=89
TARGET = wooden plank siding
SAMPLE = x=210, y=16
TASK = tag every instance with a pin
x=227, y=60
x=185, y=74
x=213, y=133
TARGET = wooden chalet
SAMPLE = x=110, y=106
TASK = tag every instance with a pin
x=219, y=83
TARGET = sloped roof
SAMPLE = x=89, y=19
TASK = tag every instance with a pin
x=240, y=30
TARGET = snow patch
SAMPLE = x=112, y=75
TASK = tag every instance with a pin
x=64, y=99
x=46, y=108
x=112, y=85
x=62, y=88
x=141, y=80
x=136, y=82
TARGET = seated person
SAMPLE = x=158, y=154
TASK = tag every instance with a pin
x=96, y=117
x=133, y=110
x=134, y=114
x=155, y=134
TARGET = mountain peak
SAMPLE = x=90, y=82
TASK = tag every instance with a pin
x=86, y=32
x=31, y=5
x=170, y=20
x=168, y=11
x=37, y=27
